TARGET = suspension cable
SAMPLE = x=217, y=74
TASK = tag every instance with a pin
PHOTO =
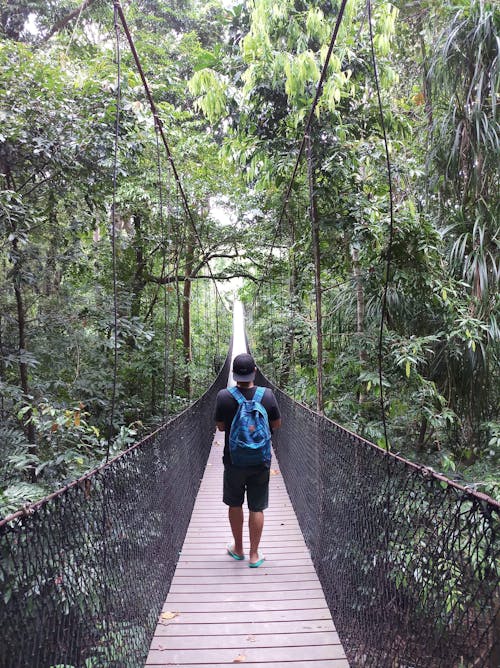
x=113, y=235
x=162, y=275
x=383, y=314
x=75, y=28
x=159, y=124
x=319, y=92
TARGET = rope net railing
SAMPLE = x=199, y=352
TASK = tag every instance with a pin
x=409, y=562
x=85, y=572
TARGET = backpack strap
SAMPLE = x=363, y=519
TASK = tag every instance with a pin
x=259, y=394
x=236, y=394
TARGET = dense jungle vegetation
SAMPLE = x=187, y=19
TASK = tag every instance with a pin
x=234, y=83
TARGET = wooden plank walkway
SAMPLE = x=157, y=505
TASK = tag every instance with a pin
x=219, y=612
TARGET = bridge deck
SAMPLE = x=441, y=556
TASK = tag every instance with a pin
x=219, y=612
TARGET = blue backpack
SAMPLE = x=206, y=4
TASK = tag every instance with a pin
x=250, y=435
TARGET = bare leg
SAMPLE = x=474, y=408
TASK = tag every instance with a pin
x=236, y=522
x=255, y=526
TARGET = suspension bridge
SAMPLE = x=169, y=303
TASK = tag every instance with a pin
x=371, y=560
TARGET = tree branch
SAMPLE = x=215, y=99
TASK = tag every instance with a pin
x=166, y=280
x=62, y=23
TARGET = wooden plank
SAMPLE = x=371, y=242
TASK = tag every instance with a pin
x=283, y=565
x=244, y=579
x=224, y=587
x=246, y=640
x=252, y=654
x=215, y=596
x=284, y=557
x=335, y=663
x=274, y=616
x=239, y=605
x=249, y=616
x=201, y=630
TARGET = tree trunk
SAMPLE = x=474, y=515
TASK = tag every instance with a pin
x=139, y=280
x=186, y=313
x=62, y=23
x=360, y=310
x=52, y=276
x=2, y=370
x=421, y=434
x=29, y=427
x=313, y=212
x=425, y=77
x=288, y=353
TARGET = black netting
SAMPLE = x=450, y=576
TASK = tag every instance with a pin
x=408, y=561
x=83, y=577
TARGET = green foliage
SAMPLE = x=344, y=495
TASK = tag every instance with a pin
x=440, y=353
x=56, y=324
x=233, y=128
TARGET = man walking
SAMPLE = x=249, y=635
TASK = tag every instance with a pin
x=254, y=480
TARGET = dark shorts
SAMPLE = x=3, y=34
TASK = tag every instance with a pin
x=255, y=481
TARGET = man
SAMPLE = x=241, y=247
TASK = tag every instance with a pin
x=253, y=480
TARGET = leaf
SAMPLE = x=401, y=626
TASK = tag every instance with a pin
x=240, y=658
x=169, y=615
x=419, y=98
x=23, y=411
x=408, y=369
x=274, y=472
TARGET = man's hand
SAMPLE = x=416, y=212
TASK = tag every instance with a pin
x=221, y=426
x=275, y=424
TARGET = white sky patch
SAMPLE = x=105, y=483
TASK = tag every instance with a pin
x=221, y=211
x=30, y=25
x=224, y=214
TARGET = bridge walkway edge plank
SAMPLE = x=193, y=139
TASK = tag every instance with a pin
x=219, y=612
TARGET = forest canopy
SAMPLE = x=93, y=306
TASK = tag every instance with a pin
x=82, y=164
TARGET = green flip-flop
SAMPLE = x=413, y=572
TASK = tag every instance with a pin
x=258, y=563
x=238, y=557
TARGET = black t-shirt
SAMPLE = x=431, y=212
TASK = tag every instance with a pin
x=227, y=406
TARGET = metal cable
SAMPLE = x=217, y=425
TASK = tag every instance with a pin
x=162, y=276
x=159, y=124
x=391, y=229
x=113, y=234
x=319, y=92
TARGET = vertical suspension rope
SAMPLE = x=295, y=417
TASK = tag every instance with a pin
x=315, y=242
x=105, y=499
x=180, y=247
x=113, y=231
x=383, y=314
x=217, y=333
x=307, y=127
x=163, y=276
x=208, y=340
x=291, y=297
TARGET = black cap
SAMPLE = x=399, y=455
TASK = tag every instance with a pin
x=243, y=368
